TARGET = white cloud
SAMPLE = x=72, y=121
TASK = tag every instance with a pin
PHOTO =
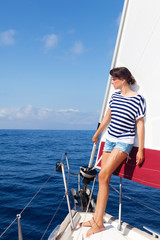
x=31, y=112
x=7, y=37
x=25, y=112
x=16, y=113
x=29, y=117
x=50, y=41
x=78, y=48
x=70, y=110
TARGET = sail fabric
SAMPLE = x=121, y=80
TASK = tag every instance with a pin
x=139, y=51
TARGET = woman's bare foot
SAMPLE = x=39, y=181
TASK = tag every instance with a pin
x=95, y=229
x=86, y=224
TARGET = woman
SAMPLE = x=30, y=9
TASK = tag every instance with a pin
x=125, y=113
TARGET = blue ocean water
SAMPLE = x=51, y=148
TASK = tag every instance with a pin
x=28, y=159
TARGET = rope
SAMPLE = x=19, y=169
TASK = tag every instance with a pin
x=8, y=227
x=90, y=195
x=132, y=199
x=52, y=218
x=36, y=193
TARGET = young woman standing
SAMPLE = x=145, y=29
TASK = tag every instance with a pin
x=124, y=116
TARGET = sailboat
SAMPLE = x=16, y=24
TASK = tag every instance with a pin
x=138, y=49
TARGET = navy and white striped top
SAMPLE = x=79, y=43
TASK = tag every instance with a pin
x=124, y=113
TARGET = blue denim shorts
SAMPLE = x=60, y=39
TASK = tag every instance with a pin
x=124, y=147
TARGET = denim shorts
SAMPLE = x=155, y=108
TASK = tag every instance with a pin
x=124, y=147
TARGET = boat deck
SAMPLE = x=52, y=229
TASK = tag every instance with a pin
x=109, y=233
x=111, y=224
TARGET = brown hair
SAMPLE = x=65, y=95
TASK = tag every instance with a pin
x=123, y=73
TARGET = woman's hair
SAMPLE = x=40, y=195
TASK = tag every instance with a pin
x=123, y=73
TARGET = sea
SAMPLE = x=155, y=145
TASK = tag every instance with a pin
x=30, y=185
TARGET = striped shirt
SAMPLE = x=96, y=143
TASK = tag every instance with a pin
x=125, y=111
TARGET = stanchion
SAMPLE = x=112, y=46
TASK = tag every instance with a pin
x=120, y=204
x=66, y=192
x=19, y=227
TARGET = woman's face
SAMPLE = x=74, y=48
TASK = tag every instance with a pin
x=117, y=83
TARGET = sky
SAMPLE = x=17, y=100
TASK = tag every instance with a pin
x=55, y=57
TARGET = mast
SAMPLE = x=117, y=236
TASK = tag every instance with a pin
x=120, y=31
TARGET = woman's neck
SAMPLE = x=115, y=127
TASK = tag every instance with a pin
x=127, y=92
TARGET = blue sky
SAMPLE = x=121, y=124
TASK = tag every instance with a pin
x=55, y=57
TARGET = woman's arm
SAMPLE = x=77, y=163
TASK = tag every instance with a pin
x=140, y=133
x=102, y=126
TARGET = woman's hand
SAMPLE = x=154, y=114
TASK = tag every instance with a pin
x=102, y=126
x=139, y=156
x=95, y=139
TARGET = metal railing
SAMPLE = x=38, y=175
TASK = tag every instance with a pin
x=155, y=234
x=18, y=216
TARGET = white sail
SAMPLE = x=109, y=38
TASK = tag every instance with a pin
x=139, y=50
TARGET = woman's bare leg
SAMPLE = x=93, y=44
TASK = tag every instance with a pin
x=110, y=163
x=92, y=221
x=105, y=156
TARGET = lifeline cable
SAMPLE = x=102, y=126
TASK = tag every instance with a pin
x=135, y=200
x=28, y=204
x=38, y=191
x=52, y=218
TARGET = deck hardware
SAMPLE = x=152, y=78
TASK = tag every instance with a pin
x=58, y=167
x=66, y=193
x=120, y=204
x=73, y=173
x=19, y=227
x=155, y=234
x=67, y=162
x=88, y=174
x=92, y=155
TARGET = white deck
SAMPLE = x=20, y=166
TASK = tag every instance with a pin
x=127, y=232
x=109, y=233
